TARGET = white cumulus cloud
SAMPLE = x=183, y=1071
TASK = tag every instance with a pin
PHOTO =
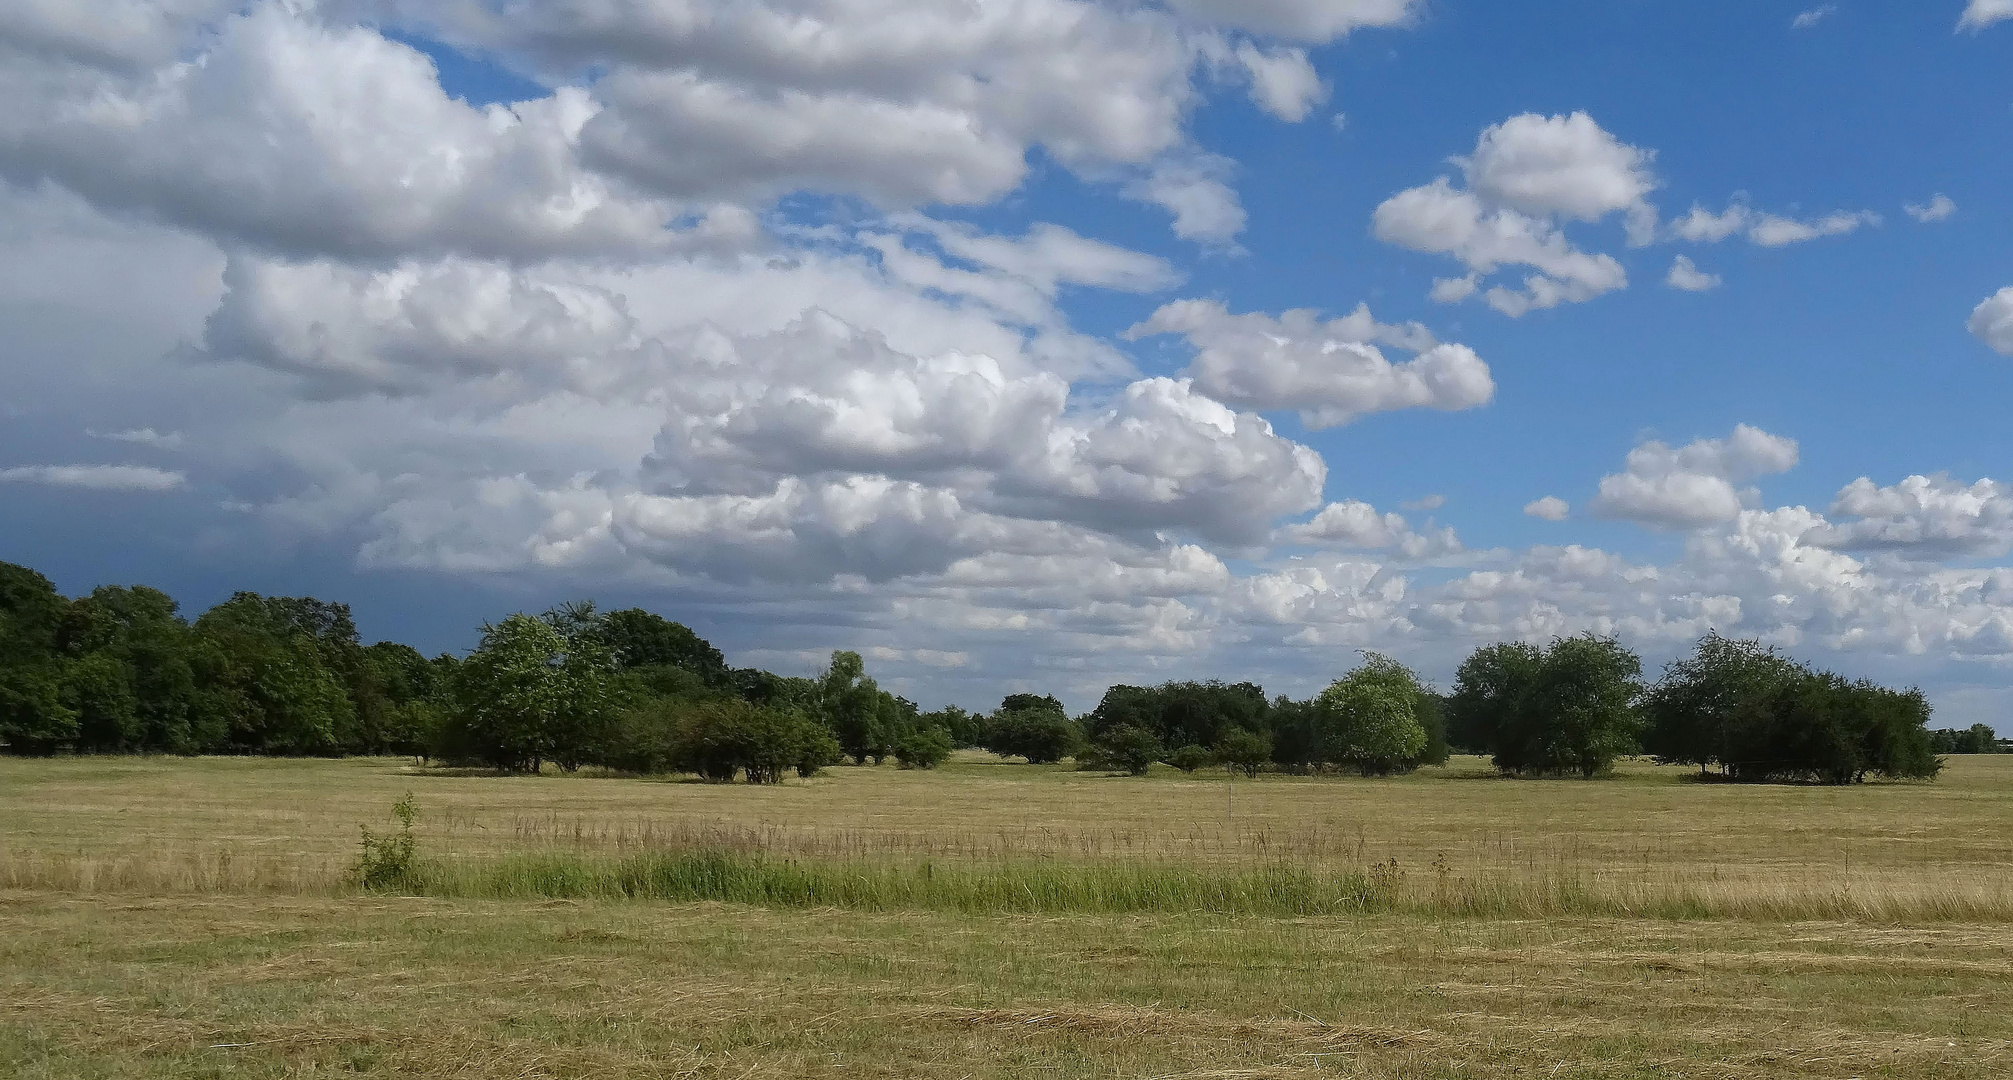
x=1525, y=177
x=1925, y=516
x=1693, y=485
x=1979, y=14
x=1992, y=321
x=1549, y=508
x=1330, y=371
x=1938, y=208
x=1685, y=274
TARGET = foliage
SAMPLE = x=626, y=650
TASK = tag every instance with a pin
x=1180, y=713
x=854, y=708
x=1569, y=708
x=1976, y=739
x=1756, y=715
x=965, y=729
x=33, y=716
x=1043, y=735
x=1696, y=713
x=923, y=746
x=719, y=739
x=1128, y=748
x=1244, y=750
x=1372, y=718
x=388, y=862
x=530, y=694
x=1190, y=758
x=640, y=639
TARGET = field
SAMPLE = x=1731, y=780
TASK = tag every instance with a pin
x=178, y=918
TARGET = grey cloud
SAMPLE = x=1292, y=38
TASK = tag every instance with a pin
x=96, y=477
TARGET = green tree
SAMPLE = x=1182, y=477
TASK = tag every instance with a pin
x=528, y=695
x=1244, y=750
x=1569, y=708
x=640, y=639
x=139, y=632
x=1042, y=734
x=1130, y=748
x=1180, y=713
x=266, y=676
x=729, y=736
x=1373, y=716
x=965, y=729
x=854, y=709
x=33, y=717
x=1698, y=712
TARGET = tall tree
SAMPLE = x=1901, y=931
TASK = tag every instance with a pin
x=33, y=716
x=1567, y=708
x=1374, y=718
x=1697, y=714
x=853, y=708
x=639, y=638
x=266, y=672
x=529, y=695
x=138, y=633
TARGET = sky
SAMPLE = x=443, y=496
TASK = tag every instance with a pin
x=1030, y=344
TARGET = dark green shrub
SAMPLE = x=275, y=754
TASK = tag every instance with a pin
x=922, y=747
x=721, y=738
x=1130, y=748
x=1570, y=708
x=1190, y=758
x=1244, y=750
x=1041, y=735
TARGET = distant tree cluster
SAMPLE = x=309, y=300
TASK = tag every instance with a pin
x=1753, y=714
x=120, y=671
x=1976, y=739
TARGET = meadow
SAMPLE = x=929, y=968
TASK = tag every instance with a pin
x=165, y=917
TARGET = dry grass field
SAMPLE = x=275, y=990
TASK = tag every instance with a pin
x=177, y=918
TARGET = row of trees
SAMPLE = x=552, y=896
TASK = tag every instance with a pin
x=121, y=671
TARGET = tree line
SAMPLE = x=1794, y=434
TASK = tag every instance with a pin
x=121, y=671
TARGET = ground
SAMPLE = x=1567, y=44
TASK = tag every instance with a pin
x=168, y=918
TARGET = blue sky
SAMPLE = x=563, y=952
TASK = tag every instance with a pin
x=818, y=339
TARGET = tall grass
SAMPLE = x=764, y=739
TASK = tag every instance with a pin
x=1051, y=887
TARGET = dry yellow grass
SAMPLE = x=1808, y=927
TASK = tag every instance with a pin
x=171, y=919
x=1903, y=850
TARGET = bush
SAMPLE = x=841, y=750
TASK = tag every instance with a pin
x=1190, y=758
x=1759, y=716
x=1041, y=735
x=389, y=862
x=1244, y=750
x=719, y=739
x=923, y=747
x=817, y=750
x=1130, y=748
